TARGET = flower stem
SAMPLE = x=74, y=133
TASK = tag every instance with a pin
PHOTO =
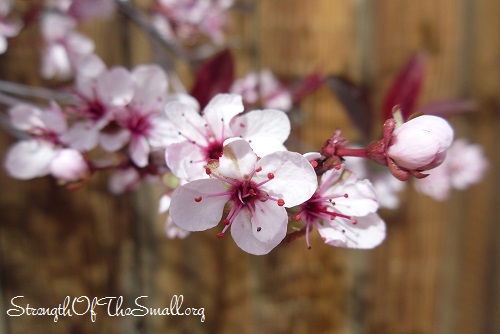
x=351, y=152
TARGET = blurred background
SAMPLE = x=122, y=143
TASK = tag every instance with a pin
x=437, y=272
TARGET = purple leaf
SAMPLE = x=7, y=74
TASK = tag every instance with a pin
x=406, y=87
x=355, y=100
x=213, y=77
x=447, y=108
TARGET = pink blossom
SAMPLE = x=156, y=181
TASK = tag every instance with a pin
x=199, y=138
x=264, y=87
x=69, y=165
x=254, y=191
x=64, y=46
x=31, y=158
x=186, y=19
x=343, y=210
x=465, y=165
x=124, y=180
x=421, y=143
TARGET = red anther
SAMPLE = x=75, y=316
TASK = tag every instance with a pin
x=324, y=239
x=337, y=167
x=251, y=192
x=208, y=171
x=270, y=176
x=259, y=228
x=197, y=199
x=259, y=169
x=297, y=217
x=281, y=202
x=242, y=125
x=309, y=247
x=220, y=235
x=332, y=217
x=355, y=221
x=314, y=163
x=346, y=195
x=226, y=221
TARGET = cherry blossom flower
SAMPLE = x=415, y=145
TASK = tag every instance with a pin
x=64, y=45
x=8, y=27
x=186, y=19
x=199, y=138
x=465, y=165
x=264, y=87
x=31, y=158
x=343, y=211
x=255, y=193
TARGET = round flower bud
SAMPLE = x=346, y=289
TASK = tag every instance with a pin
x=421, y=143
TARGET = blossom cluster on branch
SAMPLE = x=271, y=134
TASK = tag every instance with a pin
x=219, y=152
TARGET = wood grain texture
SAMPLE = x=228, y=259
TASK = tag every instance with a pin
x=437, y=272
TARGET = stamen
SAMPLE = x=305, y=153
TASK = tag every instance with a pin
x=281, y=202
x=208, y=171
x=314, y=163
x=220, y=235
x=270, y=176
x=259, y=228
x=198, y=199
x=307, y=237
x=234, y=184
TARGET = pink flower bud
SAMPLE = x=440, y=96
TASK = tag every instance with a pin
x=69, y=165
x=421, y=143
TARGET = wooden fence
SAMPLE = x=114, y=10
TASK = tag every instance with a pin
x=437, y=272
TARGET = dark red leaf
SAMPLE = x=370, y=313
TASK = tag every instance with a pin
x=406, y=87
x=213, y=77
x=355, y=100
x=312, y=82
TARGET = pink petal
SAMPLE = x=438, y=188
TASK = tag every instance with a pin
x=123, y=180
x=188, y=122
x=270, y=217
x=237, y=159
x=164, y=204
x=362, y=198
x=29, y=159
x=266, y=130
x=294, y=178
x=112, y=142
x=198, y=216
x=69, y=165
x=151, y=86
x=26, y=117
x=139, y=150
x=183, y=161
x=219, y=112
x=368, y=233
x=242, y=231
x=82, y=136
x=115, y=87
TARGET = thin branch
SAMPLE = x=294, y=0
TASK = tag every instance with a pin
x=132, y=13
x=33, y=92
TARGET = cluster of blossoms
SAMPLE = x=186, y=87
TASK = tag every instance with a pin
x=219, y=153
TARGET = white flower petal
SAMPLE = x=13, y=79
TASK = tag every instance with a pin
x=151, y=86
x=115, y=87
x=294, y=178
x=361, y=200
x=237, y=159
x=368, y=233
x=164, y=204
x=82, y=136
x=112, y=142
x=183, y=160
x=269, y=216
x=220, y=111
x=26, y=117
x=198, y=216
x=242, y=233
x=29, y=159
x=262, y=128
x=139, y=150
x=188, y=122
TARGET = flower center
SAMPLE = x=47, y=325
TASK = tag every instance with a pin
x=243, y=195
